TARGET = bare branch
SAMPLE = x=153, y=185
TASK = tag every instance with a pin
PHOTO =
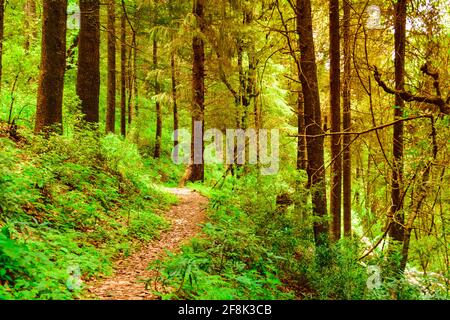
x=358, y=133
x=409, y=97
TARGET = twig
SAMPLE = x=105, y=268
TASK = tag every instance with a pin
x=358, y=133
x=12, y=98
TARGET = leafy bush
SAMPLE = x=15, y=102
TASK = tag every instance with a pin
x=256, y=248
x=145, y=225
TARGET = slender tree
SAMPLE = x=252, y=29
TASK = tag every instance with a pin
x=123, y=74
x=196, y=170
x=157, y=151
x=347, y=125
x=130, y=82
x=396, y=230
x=132, y=67
x=53, y=65
x=313, y=120
x=135, y=78
x=88, y=78
x=335, y=115
x=111, y=96
x=174, y=97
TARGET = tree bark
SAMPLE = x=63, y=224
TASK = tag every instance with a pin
x=196, y=171
x=123, y=75
x=111, y=96
x=88, y=78
x=335, y=115
x=396, y=230
x=53, y=65
x=313, y=120
x=157, y=153
x=347, y=124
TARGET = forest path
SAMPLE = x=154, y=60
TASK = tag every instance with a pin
x=127, y=281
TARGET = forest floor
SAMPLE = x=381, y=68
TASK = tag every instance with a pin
x=128, y=280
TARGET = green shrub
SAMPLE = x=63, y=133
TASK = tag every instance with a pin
x=65, y=204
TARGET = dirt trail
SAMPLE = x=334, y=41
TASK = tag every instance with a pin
x=125, y=284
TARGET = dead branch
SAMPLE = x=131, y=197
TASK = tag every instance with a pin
x=409, y=97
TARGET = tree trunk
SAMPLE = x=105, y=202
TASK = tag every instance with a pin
x=196, y=171
x=123, y=75
x=53, y=65
x=335, y=115
x=313, y=120
x=157, y=153
x=30, y=22
x=135, y=80
x=111, y=96
x=347, y=123
x=396, y=230
x=88, y=78
x=242, y=90
x=251, y=90
x=174, y=98
x=130, y=85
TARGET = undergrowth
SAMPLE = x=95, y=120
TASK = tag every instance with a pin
x=68, y=207
x=259, y=244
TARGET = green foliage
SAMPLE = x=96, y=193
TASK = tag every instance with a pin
x=255, y=248
x=145, y=225
x=245, y=252
x=71, y=202
x=344, y=279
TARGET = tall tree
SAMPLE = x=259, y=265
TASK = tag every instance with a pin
x=53, y=65
x=130, y=84
x=347, y=124
x=157, y=151
x=196, y=171
x=123, y=73
x=396, y=230
x=132, y=68
x=335, y=115
x=135, y=78
x=174, y=96
x=88, y=78
x=313, y=119
x=111, y=96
